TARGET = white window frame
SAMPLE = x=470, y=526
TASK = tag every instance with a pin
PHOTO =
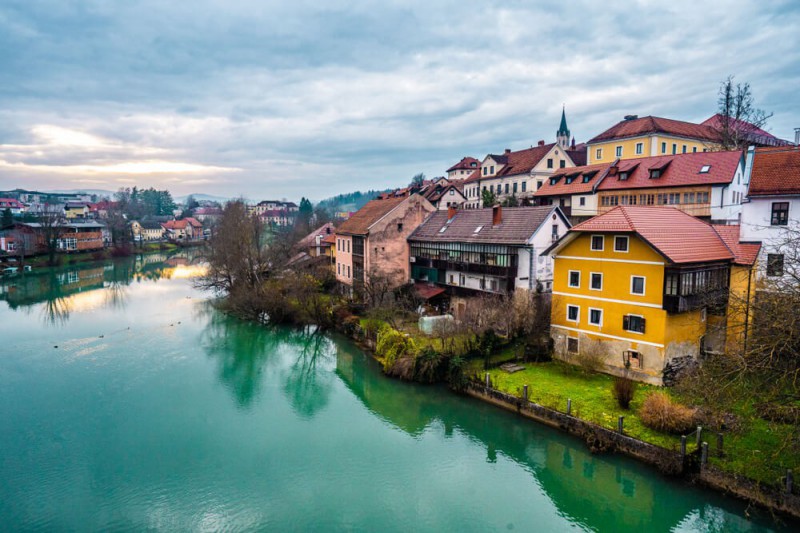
x=598, y=154
x=569, y=279
x=639, y=148
x=634, y=331
x=589, y=317
x=627, y=244
x=644, y=285
x=577, y=317
x=591, y=274
x=591, y=243
x=619, y=151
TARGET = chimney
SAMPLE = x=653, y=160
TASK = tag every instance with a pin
x=541, y=143
x=797, y=136
x=631, y=117
x=612, y=170
x=508, y=151
x=573, y=143
x=451, y=211
x=497, y=215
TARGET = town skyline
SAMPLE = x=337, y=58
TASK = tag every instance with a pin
x=276, y=101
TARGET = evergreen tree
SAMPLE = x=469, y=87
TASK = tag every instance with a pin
x=8, y=219
x=488, y=198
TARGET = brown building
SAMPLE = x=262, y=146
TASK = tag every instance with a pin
x=372, y=242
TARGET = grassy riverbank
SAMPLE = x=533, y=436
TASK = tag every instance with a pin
x=754, y=448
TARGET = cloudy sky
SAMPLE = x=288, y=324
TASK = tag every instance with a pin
x=283, y=99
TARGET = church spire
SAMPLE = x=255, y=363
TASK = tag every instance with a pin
x=562, y=135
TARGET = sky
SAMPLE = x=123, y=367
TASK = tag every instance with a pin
x=267, y=99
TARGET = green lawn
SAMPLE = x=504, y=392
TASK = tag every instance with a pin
x=754, y=451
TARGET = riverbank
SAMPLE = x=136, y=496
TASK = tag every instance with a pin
x=544, y=392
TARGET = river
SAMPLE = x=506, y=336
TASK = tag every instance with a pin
x=128, y=403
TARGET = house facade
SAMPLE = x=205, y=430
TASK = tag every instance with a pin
x=708, y=185
x=635, y=296
x=76, y=210
x=772, y=208
x=372, y=242
x=495, y=250
x=13, y=205
x=147, y=231
x=635, y=137
x=463, y=169
x=186, y=229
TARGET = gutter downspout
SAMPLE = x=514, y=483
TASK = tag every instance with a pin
x=530, y=267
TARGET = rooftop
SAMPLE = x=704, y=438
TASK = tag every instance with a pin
x=679, y=237
x=374, y=210
x=776, y=171
x=636, y=127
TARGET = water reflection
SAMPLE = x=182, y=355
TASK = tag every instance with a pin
x=309, y=381
x=59, y=293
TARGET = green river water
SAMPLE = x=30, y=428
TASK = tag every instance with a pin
x=128, y=404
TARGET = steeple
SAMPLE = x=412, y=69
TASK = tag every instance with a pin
x=562, y=135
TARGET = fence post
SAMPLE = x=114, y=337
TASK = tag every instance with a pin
x=704, y=454
x=699, y=430
x=569, y=407
x=525, y=392
x=683, y=446
x=789, y=481
x=487, y=380
x=719, y=444
x=620, y=421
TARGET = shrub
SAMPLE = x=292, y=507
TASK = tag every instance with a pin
x=392, y=345
x=624, y=389
x=429, y=363
x=659, y=412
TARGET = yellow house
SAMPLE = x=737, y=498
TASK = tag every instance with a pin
x=636, y=137
x=73, y=210
x=638, y=287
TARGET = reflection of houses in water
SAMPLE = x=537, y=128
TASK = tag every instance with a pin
x=35, y=288
x=593, y=490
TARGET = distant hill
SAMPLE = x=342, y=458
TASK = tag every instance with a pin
x=352, y=201
x=200, y=197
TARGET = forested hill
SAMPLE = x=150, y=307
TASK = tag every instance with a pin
x=352, y=201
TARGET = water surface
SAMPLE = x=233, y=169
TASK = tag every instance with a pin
x=128, y=403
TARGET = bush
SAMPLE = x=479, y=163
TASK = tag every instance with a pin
x=659, y=412
x=392, y=345
x=429, y=363
x=624, y=389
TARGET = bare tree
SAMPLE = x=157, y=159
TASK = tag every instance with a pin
x=51, y=226
x=737, y=110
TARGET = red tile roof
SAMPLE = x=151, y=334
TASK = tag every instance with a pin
x=745, y=253
x=678, y=170
x=776, y=171
x=326, y=230
x=361, y=220
x=10, y=202
x=427, y=291
x=522, y=161
x=181, y=224
x=466, y=163
x=679, y=237
x=475, y=176
x=594, y=173
x=647, y=125
x=753, y=134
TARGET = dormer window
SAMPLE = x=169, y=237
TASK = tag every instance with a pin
x=705, y=169
x=623, y=176
x=478, y=229
x=655, y=173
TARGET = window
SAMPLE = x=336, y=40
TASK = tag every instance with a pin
x=623, y=176
x=348, y=271
x=573, y=313
x=663, y=148
x=574, y=278
x=595, y=316
x=596, y=282
x=491, y=169
x=597, y=243
x=554, y=233
x=550, y=162
x=598, y=154
x=637, y=285
x=775, y=265
x=655, y=173
x=620, y=243
x=780, y=214
x=582, y=200
x=506, y=188
x=562, y=164
x=485, y=170
x=524, y=186
x=619, y=151
x=694, y=149
x=515, y=187
x=639, y=148
x=684, y=148
x=572, y=345
x=499, y=189
x=633, y=323
x=539, y=185
x=452, y=192
x=674, y=148
x=633, y=358
x=704, y=169
x=339, y=268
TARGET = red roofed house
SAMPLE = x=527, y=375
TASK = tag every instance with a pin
x=11, y=204
x=638, y=287
x=185, y=229
x=463, y=169
x=372, y=242
x=709, y=185
x=772, y=209
x=519, y=174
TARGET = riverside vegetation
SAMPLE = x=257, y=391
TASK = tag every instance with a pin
x=746, y=397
